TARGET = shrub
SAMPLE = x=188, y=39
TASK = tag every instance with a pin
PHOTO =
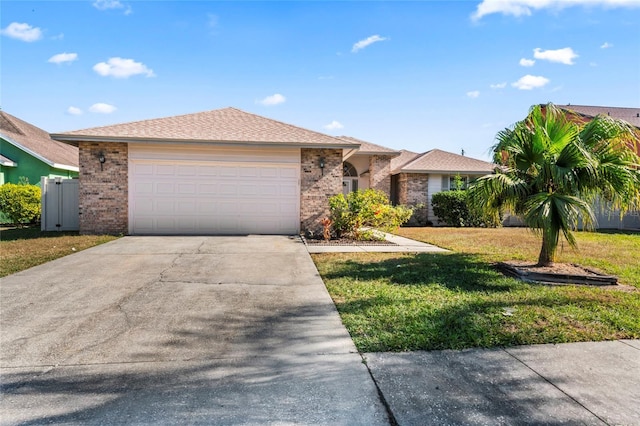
x=452, y=208
x=20, y=203
x=369, y=208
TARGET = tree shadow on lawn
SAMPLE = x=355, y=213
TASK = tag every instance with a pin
x=456, y=301
x=454, y=271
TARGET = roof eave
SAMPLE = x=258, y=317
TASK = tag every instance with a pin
x=442, y=172
x=386, y=153
x=38, y=156
x=76, y=139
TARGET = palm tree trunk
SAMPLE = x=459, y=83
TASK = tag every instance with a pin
x=548, y=251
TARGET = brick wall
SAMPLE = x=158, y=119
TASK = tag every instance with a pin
x=380, y=173
x=413, y=190
x=316, y=186
x=103, y=192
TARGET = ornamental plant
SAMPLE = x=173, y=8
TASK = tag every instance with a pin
x=554, y=169
x=20, y=203
x=370, y=208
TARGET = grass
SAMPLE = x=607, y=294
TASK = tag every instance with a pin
x=23, y=248
x=613, y=252
x=401, y=302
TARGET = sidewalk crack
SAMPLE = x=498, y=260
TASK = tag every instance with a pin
x=554, y=385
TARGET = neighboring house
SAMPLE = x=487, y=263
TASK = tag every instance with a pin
x=587, y=113
x=416, y=177
x=29, y=152
x=608, y=218
x=224, y=171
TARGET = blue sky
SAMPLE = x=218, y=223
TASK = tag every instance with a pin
x=414, y=75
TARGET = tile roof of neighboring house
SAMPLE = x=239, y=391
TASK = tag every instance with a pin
x=404, y=157
x=37, y=142
x=630, y=115
x=438, y=161
x=227, y=125
x=370, y=148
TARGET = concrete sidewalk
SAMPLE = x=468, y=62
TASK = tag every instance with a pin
x=402, y=245
x=591, y=383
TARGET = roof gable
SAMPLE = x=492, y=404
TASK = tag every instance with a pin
x=37, y=142
x=370, y=148
x=438, y=161
x=404, y=158
x=227, y=125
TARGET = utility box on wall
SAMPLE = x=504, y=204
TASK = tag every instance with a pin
x=60, y=205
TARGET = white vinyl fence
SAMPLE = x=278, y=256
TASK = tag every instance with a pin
x=59, y=204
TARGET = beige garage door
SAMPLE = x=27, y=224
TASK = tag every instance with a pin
x=213, y=190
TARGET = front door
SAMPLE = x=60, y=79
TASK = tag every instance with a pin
x=346, y=186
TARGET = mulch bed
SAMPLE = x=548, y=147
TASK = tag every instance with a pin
x=345, y=242
x=559, y=273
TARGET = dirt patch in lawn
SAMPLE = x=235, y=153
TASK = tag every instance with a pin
x=560, y=274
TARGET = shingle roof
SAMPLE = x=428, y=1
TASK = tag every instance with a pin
x=404, y=158
x=630, y=115
x=225, y=125
x=437, y=161
x=37, y=142
x=370, y=148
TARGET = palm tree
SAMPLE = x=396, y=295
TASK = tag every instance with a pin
x=554, y=167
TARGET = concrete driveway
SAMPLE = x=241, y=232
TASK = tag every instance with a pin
x=180, y=330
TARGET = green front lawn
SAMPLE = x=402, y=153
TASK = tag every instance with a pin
x=24, y=248
x=400, y=302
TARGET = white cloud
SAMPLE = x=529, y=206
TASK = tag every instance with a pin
x=562, y=56
x=74, y=111
x=275, y=99
x=58, y=37
x=102, y=108
x=366, y=42
x=122, y=68
x=473, y=94
x=606, y=45
x=529, y=82
x=527, y=62
x=498, y=85
x=112, y=4
x=24, y=32
x=334, y=125
x=212, y=20
x=63, y=57
x=526, y=7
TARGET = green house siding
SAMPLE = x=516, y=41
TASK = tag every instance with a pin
x=28, y=166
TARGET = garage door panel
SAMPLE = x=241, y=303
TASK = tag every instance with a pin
x=191, y=196
x=165, y=170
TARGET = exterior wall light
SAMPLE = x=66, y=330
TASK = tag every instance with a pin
x=102, y=160
x=322, y=165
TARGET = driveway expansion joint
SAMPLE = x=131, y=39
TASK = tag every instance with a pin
x=554, y=385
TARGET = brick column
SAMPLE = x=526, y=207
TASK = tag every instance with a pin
x=317, y=186
x=380, y=173
x=104, y=191
x=413, y=190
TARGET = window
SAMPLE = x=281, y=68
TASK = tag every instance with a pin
x=449, y=182
x=348, y=170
